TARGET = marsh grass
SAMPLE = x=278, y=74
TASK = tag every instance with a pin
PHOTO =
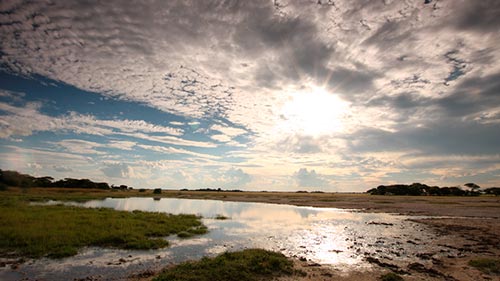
x=58, y=231
x=247, y=265
x=391, y=276
x=486, y=265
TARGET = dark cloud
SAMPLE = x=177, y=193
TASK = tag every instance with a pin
x=481, y=16
x=454, y=137
x=389, y=36
x=401, y=101
x=351, y=83
x=472, y=95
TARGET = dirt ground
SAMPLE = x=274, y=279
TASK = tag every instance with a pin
x=467, y=227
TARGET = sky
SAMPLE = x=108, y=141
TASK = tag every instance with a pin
x=252, y=95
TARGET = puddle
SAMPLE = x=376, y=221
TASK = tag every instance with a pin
x=336, y=237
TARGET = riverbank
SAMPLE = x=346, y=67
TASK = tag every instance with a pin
x=468, y=226
x=469, y=232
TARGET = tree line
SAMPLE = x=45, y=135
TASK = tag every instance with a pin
x=418, y=189
x=16, y=179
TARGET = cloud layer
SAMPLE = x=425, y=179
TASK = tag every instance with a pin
x=419, y=84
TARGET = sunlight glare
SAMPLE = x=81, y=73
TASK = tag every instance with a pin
x=314, y=112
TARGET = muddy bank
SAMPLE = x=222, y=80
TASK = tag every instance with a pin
x=482, y=206
x=441, y=249
x=469, y=228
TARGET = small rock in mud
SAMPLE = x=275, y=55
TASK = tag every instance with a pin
x=425, y=256
x=335, y=251
x=418, y=267
x=144, y=274
x=382, y=264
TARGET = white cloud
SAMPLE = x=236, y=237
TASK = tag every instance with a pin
x=19, y=122
x=229, y=131
x=80, y=146
x=118, y=170
x=172, y=150
x=305, y=178
x=221, y=138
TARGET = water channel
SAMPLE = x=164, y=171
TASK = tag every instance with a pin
x=334, y=237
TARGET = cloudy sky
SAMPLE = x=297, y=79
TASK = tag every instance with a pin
x=254, y=95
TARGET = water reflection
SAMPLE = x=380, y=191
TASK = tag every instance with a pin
x=323, y=235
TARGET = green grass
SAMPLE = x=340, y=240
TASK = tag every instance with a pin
x=60, y=231
x=486, y=265
x=391, y=276
x=247, y=265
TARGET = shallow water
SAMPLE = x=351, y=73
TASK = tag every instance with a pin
x=341, y=238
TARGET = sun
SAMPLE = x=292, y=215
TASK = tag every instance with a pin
x=314, y=112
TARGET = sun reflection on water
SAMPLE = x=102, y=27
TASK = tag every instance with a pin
x=327, y=236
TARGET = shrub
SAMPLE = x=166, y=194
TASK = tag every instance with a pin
x=486, y=265
x=251, y=264
x=391, y=276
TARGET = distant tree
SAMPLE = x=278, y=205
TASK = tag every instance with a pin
x=157, y=191
x=493, y=190
x=43, y=181
x=433, y=190
x=13, y=178
x=102, y=185
x=457, y=191
x=472, y=186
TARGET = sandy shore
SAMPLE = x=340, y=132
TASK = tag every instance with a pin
x=468, y=227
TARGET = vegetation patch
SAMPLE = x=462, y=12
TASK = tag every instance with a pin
x=59, y=231
x=221, y=217
x=251, y=264
x=486, y=265
x=391, y=276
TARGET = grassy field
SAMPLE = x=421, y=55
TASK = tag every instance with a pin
x=59, y=231
x=251, y=264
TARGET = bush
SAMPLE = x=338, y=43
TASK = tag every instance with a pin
x=391, y=276
x=486, y=265
x=157, y=191
x=251, y=264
